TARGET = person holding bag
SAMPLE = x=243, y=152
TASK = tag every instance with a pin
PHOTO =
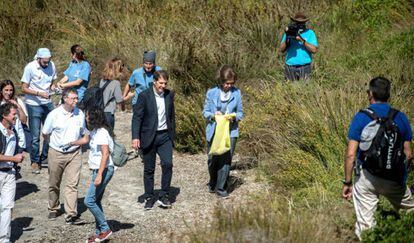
x=222, y=101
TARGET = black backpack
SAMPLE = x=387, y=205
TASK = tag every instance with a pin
x=382, y=147
x=93, y=97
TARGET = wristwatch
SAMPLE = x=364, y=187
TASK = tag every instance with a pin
x=347, y=183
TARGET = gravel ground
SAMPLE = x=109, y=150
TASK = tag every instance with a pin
x=122, y=202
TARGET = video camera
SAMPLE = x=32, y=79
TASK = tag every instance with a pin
x=294, y=29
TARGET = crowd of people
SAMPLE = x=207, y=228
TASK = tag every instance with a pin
x=76, y=123
x=79, y=121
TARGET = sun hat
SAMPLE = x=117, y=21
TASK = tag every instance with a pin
x=299, y=17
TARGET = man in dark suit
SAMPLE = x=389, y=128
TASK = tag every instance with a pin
x=153, y=131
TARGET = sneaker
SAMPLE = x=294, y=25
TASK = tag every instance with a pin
x=222, y=193
x=164, y=202
x=103, y=236
x=35, y=168
x=75, y=220
x=149, y=203
x=52, y=215
x=91, y=239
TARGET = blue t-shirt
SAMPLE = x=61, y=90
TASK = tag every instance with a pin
x=297, y=54
x=141, y=80
x=79, y=70
x=360, y=120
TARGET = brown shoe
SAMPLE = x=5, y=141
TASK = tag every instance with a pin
x=35, y=168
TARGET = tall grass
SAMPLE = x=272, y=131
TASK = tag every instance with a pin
x=295, y=133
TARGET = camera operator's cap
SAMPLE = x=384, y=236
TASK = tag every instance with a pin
x=149, y=56
x=43, y=53
x=299, y=17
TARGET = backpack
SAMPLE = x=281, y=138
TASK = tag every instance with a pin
x=119, y=154
x=382, y=147
x=94, y=98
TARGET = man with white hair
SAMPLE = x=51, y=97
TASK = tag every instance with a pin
x=37, y=80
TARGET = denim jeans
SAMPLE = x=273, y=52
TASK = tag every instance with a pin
x=37, y=116
x=219, y=166
x=110, y=119
x=94, y=196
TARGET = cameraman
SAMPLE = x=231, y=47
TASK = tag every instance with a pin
x=300, y=43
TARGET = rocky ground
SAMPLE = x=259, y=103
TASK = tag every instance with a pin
x=122, y=202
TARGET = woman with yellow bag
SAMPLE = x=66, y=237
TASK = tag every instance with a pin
x=223, y=110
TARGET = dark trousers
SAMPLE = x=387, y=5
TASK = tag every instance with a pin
x=110, y=119
x=219, y=166
x=162, y=146
x=296, y=73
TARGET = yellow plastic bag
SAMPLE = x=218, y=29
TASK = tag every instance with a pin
x=221, y=140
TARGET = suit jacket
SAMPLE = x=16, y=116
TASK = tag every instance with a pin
x=145, y=117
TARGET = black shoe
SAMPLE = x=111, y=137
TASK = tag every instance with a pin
x=149, y=203
x=164, y=202
x=75, y=220
x=222, y=193
x=52, y=215
x=211, y=189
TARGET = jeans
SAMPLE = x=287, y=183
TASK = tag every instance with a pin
x=219, y=166
x=37, y=116
x=110, y=119
x=162, y=146
x=94, y=196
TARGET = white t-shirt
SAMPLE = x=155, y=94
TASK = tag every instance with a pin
x=99, y=137
x=64, y=127
x=19, y=125
x=39, y=79
x=10, y=146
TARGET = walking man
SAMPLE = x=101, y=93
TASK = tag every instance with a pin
x=8, y=158
x=384, y=174
x=37, y=81
x=141, y=78
x=64, y=125
x=300, y=43
x=153, y=131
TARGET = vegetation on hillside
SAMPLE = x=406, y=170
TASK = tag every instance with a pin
x=294, y=133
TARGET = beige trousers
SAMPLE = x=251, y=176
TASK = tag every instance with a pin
x=71, y=164
x=366, y=192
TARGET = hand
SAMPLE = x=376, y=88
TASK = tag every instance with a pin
x=97, y=180
x=218, y=113
x=18, y=158
x=347, y=192
x=53, y=87
x=299, y=38
x=136, y=143
x=43, y=94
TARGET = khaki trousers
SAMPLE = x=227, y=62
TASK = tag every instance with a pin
x=71, y=164
x=366, y=192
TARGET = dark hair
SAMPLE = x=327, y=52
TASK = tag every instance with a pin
x=3, y=84
x=225, y=73
x=66, y=92
x=380, y=88
x=5, y=109
x=77, y=49
x=161, y=74
x=97, y=120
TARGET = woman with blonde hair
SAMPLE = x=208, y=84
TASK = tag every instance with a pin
x=112, y=95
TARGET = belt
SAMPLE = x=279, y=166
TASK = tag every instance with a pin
x=6, y=169
x=296, y=66
x=162, y=131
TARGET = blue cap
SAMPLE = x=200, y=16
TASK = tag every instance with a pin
x=43, y=53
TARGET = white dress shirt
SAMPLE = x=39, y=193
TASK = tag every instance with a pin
x=162, y=119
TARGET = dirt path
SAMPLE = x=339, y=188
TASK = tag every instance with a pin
x=121, y=204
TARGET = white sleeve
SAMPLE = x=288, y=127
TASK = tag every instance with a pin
x=23, y=105
x=20, y=133
x=54, y=71
x=27, y=75
x=101, y=137
x=48, y=126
